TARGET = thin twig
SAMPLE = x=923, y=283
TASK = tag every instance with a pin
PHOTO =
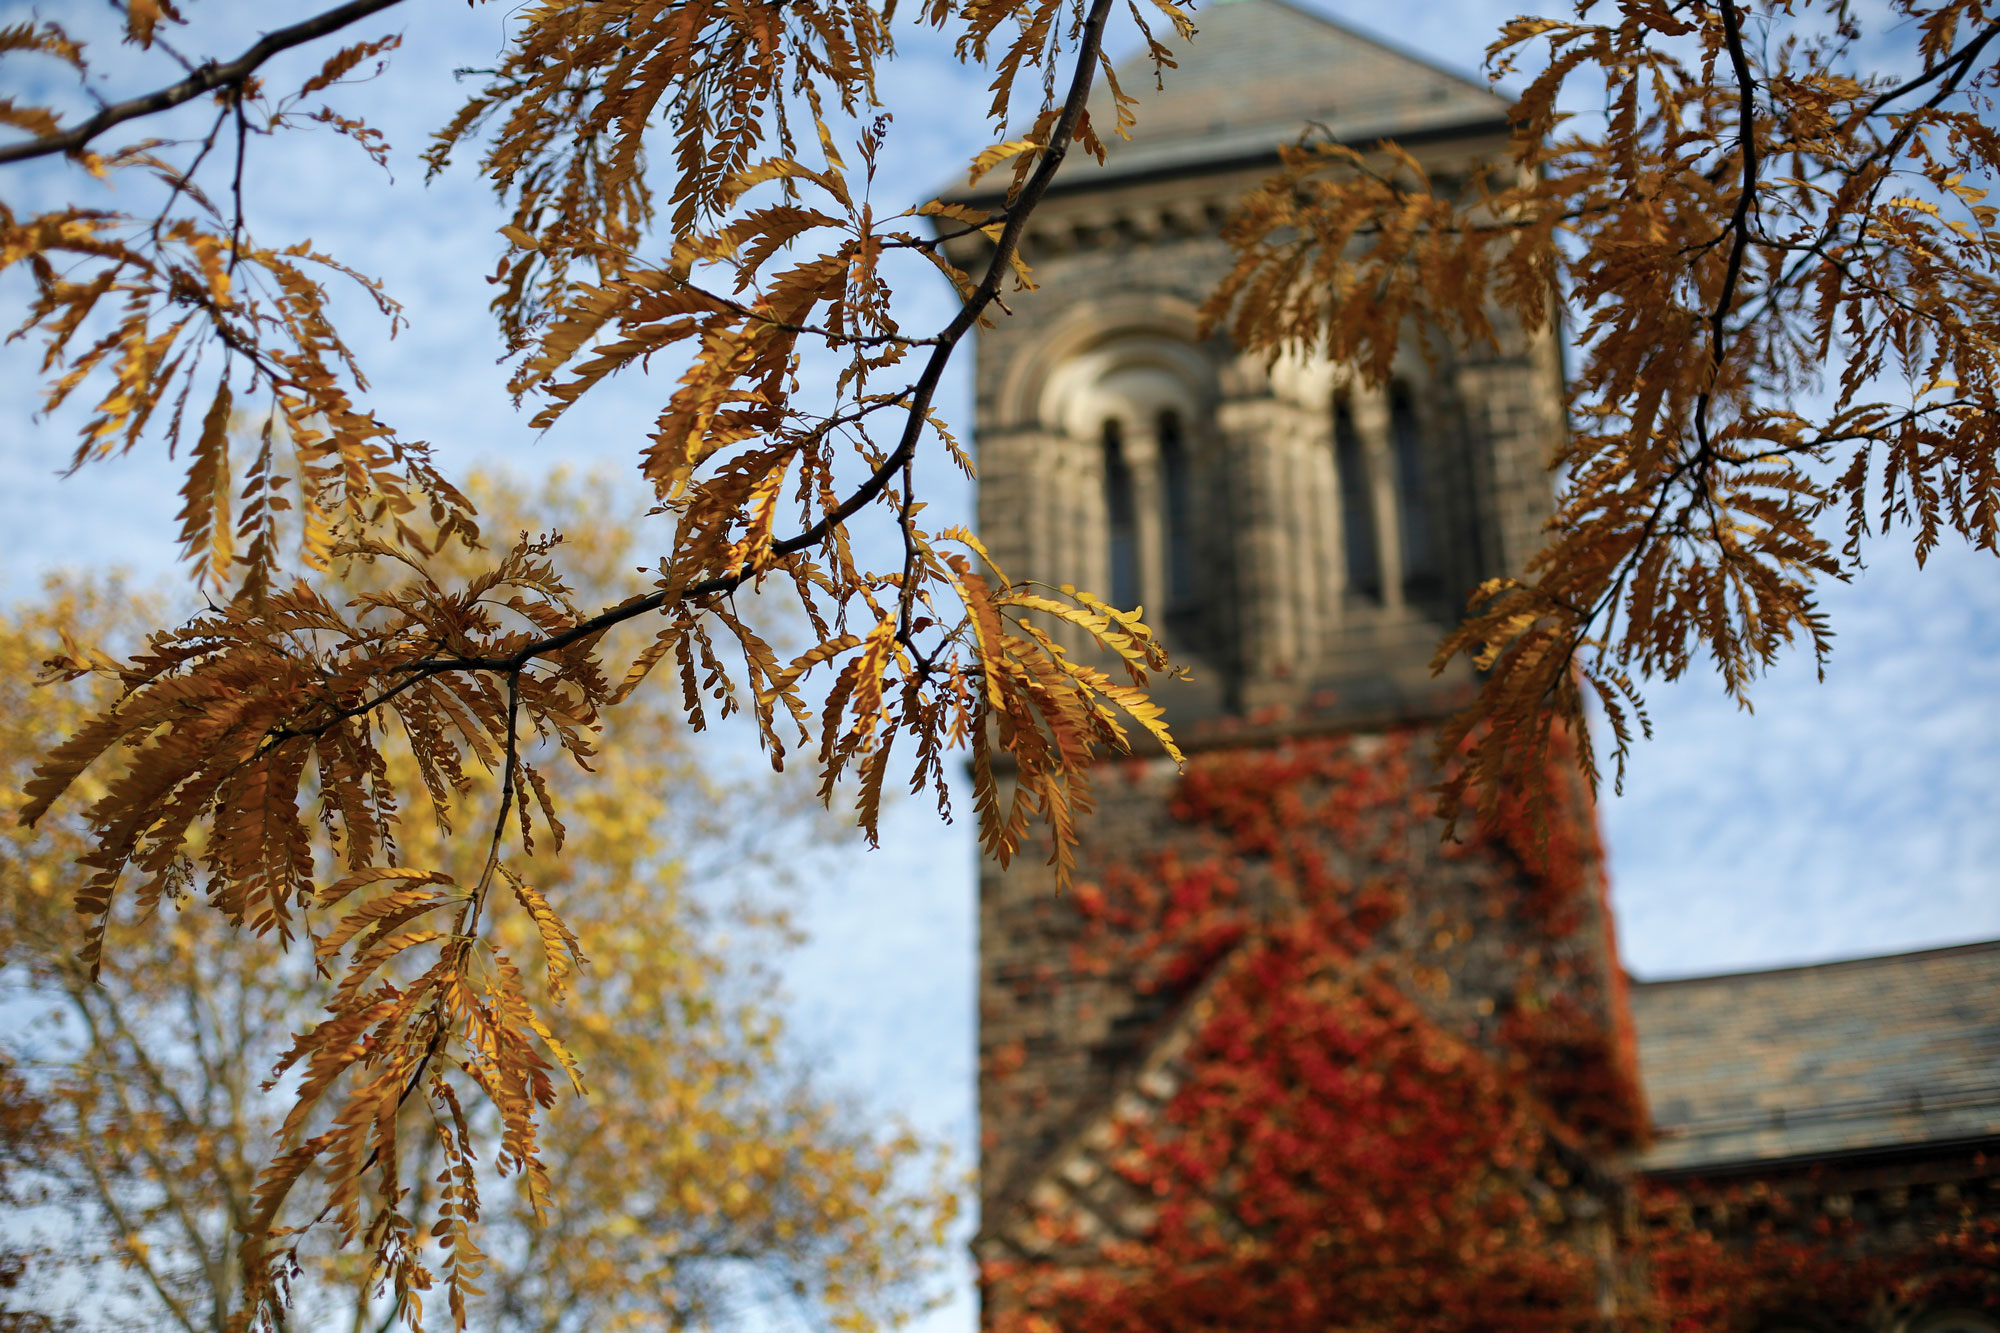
x=205, y=79
x=236, y=187
x=1739, y=221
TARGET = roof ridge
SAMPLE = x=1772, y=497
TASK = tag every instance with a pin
x=1255, y=76
x=1347, y=29
x=1138, y=1083
x=1150, y=1084
x=1826, y=965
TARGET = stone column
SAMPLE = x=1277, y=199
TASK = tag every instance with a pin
x=1142, y=456
x=1076, y=526
x=1513, y=423
x=1247, y=428
x=1322, y=532
x=1371, y=422
x=1013, y=487
x=1041, y=511
x=1315, y=533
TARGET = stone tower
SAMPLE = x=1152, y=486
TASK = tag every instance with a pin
x=1302, y=540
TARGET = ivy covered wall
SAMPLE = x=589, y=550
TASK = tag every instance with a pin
x=1286, y=1059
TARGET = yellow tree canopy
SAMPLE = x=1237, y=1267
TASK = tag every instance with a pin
x=702, y=1176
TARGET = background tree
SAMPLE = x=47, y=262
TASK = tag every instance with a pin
x=703, y=1177
x=1778, y=267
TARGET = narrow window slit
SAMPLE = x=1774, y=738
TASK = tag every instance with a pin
x=1177, y=516
x=1357, y=507
x=1413, y=510
x=1121, y=518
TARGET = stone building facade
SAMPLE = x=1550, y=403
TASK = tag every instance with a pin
x=1302, y=539
x=1127, y=453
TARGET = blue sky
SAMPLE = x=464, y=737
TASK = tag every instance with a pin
x=1840, y=819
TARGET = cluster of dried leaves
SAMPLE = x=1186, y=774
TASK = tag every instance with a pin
x=1780, y=272
x=250, y=750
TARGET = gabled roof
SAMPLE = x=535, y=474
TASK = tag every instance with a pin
x=1076, y=1201
x=1870, y=1054
x=1073, y=1191
x=1258, y=71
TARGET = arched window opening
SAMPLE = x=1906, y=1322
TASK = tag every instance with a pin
x=1121, y=518
x=1177, y=513
x=1413, y=510
x=1357, y=506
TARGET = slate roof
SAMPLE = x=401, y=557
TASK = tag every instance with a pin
x=1257, y=72
x=1874, y=1053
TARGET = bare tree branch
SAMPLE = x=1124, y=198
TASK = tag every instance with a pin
x=205, y=79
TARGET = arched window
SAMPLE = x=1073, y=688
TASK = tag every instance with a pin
x=1357, y=505
x=1121, y=518
x=1413, y=510
x=1177, y=513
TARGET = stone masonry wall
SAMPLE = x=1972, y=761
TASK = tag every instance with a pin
x=1513, y=958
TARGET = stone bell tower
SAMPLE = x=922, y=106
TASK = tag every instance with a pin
x=1302, y=540
x=1300, y=537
